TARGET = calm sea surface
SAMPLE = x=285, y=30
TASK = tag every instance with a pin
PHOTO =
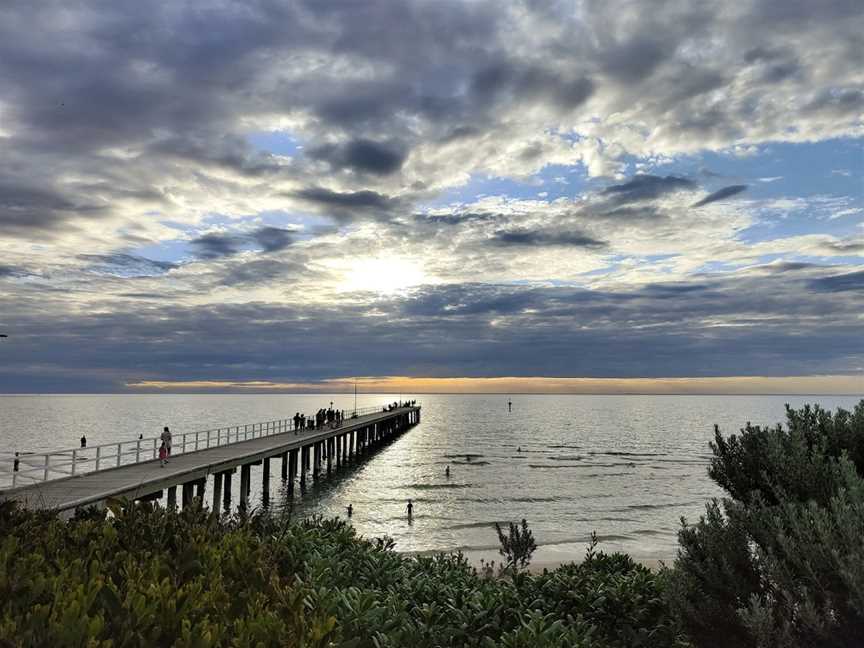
x=627, y=467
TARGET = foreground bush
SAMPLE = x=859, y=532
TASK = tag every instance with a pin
x=780, y=562
x=149, y=577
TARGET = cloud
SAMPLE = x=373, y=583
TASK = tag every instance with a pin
x=736, y=325
x=347, y=206
x=362, y=155
x=530, y=238
x=125, y=265
x=852, y=281
x=646, y=187
x=427, y=132
x=34, y=210
x=11, y=272
x=720, y=194
x=273, y=239
x=214, y=246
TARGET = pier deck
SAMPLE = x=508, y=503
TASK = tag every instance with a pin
x=147, y=479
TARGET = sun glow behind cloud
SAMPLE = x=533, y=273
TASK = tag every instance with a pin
x=380, y=274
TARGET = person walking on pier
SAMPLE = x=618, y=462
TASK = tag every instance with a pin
x=166, y=439
x=163, y=455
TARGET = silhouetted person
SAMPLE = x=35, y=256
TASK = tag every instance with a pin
x=509, y=405
x=447, y=471
x=467, y=457
x=166, y=439
x=519, y=449
x=350, y=510
x=15, y=463
x=410, y=509
x=140, y=437
x=83, y=441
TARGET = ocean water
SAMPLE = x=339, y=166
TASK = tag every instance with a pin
x=625, y=467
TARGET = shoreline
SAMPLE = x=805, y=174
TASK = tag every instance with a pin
x=548, y=559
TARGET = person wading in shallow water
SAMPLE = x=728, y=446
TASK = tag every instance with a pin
x=410, y=509
x=447, y=471
x=350, y=509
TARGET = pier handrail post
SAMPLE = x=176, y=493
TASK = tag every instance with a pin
x=154, y=448
x=47, y=464
x=138, y=451
x=196, y=440
x=74, y=457
x=98, y=456
x=119, y=452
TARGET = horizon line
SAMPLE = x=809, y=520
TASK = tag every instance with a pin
x=157, y=392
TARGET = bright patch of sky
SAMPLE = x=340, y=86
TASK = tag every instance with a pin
x=276, y=142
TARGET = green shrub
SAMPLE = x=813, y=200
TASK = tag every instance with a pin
x=780, y=562
x=149, y=577
x=517, y=545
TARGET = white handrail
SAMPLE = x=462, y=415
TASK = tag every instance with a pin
x=39, y=466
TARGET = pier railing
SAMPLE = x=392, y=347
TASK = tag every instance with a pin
x=29, y=467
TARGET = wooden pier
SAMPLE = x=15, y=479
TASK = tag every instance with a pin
x=301, y=452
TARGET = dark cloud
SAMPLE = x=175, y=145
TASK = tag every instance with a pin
x=646, y=187
x=509, y=81
x=30, y=210
x=852, y=281
x=720, y=194
x=838, y=102
x=640, y=213
x=214, y=246
x=7, y=272
x=536, y=238
x=457, y=218
x=362, y=155
x=346, y=206
x=125, y=265
x=721, y=326
x=259, y=272
x=273, y=239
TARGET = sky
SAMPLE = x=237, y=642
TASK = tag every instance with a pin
x=530, y=195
